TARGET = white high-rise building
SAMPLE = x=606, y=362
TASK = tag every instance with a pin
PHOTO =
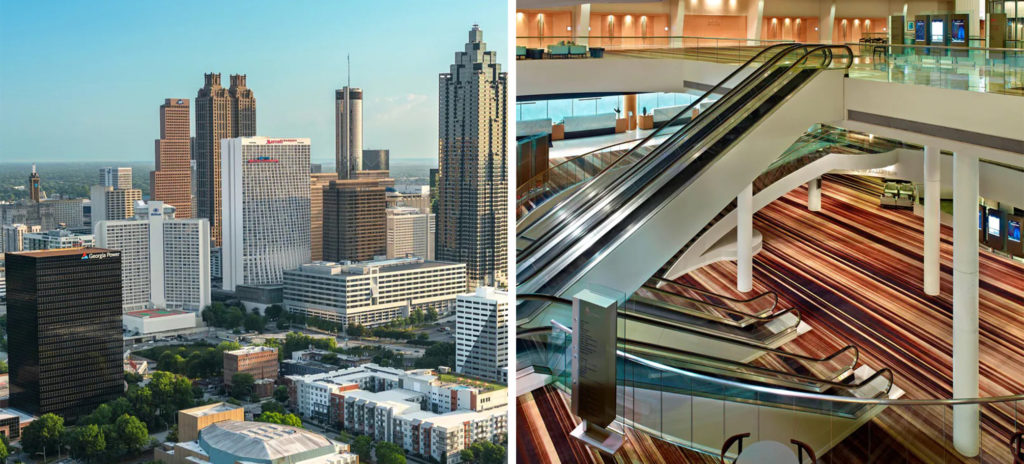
x=165, y=262
x=348, y=131
x=409, y=232
x=118, y=178
x=481, y=334
x=265, y=209
x=472, y=194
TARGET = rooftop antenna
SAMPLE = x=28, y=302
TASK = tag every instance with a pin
x=33, y=168
x=348, y=59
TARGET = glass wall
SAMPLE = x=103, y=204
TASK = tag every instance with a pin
x=558, y=109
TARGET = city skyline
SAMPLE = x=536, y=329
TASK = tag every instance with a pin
x=118, y=88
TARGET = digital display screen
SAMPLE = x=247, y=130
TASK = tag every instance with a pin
x=910, y=25
x=1013, y=230
x=920, y=33
x=937, y=30
x=957, y=34
x=994, y=224
x=981, y=218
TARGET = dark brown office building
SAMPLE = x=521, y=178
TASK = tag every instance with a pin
x=64, y=325
x=318, y=181
x=220, y=114
x=355, y=225
x=171, y=182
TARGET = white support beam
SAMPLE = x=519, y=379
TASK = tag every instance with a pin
x=966, y=421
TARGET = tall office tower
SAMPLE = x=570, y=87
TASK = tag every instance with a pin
x=171, y=182
x=64, y=315
x=355, y=227
x=243, y=108
x=110, y=204
x=70, y=213
x=266, y=209
x=118, y=178
x=410, y=232
x=33, y=184
x=473, y=179
x=481, y=334
x=220, y=114
x=348, y=131
x=318, y=181
x=376, y=160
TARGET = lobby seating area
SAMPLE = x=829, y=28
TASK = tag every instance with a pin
x=562, y=50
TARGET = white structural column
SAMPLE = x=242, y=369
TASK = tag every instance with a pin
x=581, y=30
x=814, y=195
x=932, y=176
x=745, y=239
x=974, y=10
x=826, y=20
x=676, y=14
x=754, y=20
x=966, y=423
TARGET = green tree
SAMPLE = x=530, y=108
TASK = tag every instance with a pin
x=273, y=312
x=281, y=394
x=292, y=420
x=363, y=446
x=43, y=435
x=228, y=346
x=355, y=330
x=87, y=442
x=242, y=386
x=253, y=322
x=3, y=367
x=466, y=456
x=131, y=433
x=172, y=433
x=4, y=452
x=389, y=453
x=272, y=406
x=485, y=452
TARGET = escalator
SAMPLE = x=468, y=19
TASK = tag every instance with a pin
x=649, y=208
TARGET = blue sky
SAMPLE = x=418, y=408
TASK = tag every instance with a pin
x=84, y=80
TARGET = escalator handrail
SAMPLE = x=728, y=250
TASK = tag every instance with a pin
x=734, y=73
x=774, y=296
x=696, y=123
x=768, y=370
x=565, y=301
x=527, y=195
x=758, y=318
x=807, y=395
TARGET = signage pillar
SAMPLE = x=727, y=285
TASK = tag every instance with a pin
x=594, y=322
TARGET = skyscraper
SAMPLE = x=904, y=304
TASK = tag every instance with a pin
x=220, y=114
x=243, y=108
x=171, y=182
x=33, y=184
x=473, y=178
x=64, y=316
x=355, y=228
x=348, y=130
x=119, y=178
x=318, y=181
x=266, y=209
x=481, y=334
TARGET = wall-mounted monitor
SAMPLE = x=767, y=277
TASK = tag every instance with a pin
x=958, y=34
x=920, y=31
x=981, y=217
x=938, y=31
x=1013, y=230
x=995, y=224
x=910, y=26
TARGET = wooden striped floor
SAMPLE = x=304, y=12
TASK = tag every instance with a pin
x=854, y=271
